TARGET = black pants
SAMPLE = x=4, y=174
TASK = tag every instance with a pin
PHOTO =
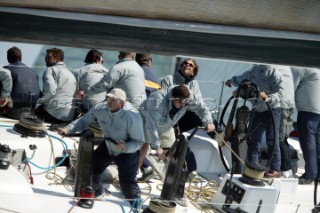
x=14, y=113
x=44, y=115
x=189, y=121
x=127, y=167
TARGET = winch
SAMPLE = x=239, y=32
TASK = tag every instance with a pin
x=235, y=196
x=176, y=176
x=246, y=191
x=30, y=125
x=4, y=161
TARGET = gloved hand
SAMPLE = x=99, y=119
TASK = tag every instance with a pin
x=3, y=102
x=228, y=83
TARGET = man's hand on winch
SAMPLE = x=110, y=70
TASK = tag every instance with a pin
x=62, y=131
x=263, y=96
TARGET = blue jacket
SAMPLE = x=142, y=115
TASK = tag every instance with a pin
x=152, y=82
x=125, y=124
x=25, y=85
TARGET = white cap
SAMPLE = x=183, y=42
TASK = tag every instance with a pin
x=117, y=94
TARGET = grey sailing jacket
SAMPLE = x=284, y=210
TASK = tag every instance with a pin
x=59, y=89
x=268, y=79
x=126, y=75
x=87, y=76
x=125, y=124
x=287, y=100
x=177, y=78
x=307, y=89
x=155, y=110
x=6, y=82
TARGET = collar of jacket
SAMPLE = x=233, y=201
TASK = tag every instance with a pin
x=117, y=112
x=124, y=59
x=16, y=64
x=60, y=63
x=182, y=79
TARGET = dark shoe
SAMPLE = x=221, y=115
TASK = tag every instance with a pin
x=147, y=174
x=272, y=174
x=181, y=201
x=304, y=181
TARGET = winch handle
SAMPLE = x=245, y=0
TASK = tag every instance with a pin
x=174, y=145
x=195, y=130
x=72, y=135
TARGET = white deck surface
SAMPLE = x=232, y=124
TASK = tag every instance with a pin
x=17, y=195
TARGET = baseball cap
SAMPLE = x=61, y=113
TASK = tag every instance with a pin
x=117, y=94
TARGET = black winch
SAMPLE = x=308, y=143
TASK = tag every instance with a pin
x=30, y=125
x=4, y=161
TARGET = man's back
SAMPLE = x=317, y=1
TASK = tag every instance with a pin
x=25, y=89
x=59, y=88
x=268, y=79
x=152, y=82
x=88, y=76
x=287, y=100
x=129, y=76
x=307, y=89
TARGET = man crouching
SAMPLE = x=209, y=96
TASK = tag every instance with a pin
x=122, y=123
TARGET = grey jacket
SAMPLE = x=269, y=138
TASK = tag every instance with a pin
x=126, y=75
x=268, y=79
x=287, y=100
x=156, y=108
x=87, y=76
x=59, y=88
x=125, y=124
x=5, y=82
x=307, y=89
x=177, y=78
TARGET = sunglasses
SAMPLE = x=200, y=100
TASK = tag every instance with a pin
x=188, y=64
x=147, y=59
x=49, y=56
x=184, y=101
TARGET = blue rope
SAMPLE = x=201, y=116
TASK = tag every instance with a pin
x=123, y=211
x=28, y=159
x=136, y=205
x=51, y=167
